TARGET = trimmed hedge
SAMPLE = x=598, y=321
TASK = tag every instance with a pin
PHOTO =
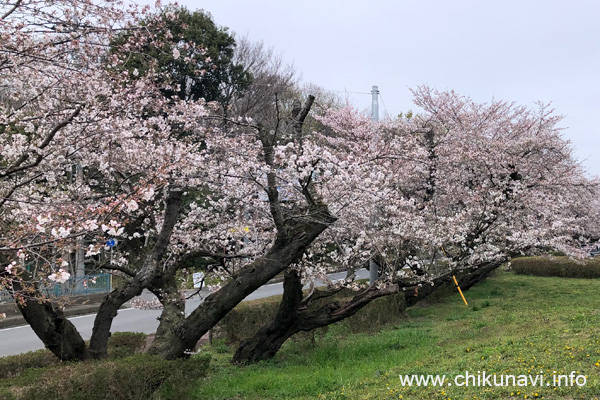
x=557, y=266
x=138, y=377
x=120, y=344
x=13, y=366
x=248, y=317
x=123, y=344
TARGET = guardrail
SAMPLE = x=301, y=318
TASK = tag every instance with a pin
x=89, y=284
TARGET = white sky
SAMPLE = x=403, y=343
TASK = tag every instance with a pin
x=517, y=50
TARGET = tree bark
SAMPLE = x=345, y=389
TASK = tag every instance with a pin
x=48, y=322
x=107, y=312
x=269, y=339
x=294, y=317
x=54, y=329
x=173, y=303
x=296, y=230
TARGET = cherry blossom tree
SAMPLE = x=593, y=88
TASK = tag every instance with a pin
x=90, y=154
x=456, y=190
x=85, y=153
x=92, y=150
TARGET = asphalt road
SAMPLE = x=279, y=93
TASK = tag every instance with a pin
x=21, y=339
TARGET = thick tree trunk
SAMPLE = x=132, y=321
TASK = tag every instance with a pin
x=149, y=272
x=106, y=314
x=291, y=318
x=269, y=339
x=181, y=339
x=173, y=304
x=49, y=323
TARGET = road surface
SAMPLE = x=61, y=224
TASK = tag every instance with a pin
x=21, y=339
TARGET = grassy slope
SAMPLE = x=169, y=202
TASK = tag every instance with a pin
x=514, y=325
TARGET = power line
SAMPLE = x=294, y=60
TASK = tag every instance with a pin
x=383, y=102
x=346, y=91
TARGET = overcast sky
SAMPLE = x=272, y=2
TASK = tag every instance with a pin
x=517, y=50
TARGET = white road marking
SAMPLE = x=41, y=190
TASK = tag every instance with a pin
x=69, y=318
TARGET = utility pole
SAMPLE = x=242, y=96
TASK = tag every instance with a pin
x=79, y=250
x=375, y=104
x=373, y=267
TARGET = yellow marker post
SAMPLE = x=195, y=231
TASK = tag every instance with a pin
x=460, y=291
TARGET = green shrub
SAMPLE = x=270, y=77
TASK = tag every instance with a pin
x=120, y=344
x=13, y=366
x=557, y=266
x=246, y=319
x=131, y=378
x=380, y=312
x=123, y=344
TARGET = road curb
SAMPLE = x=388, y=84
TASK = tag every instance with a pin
x=81, y=305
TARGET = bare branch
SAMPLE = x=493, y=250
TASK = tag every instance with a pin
x=12, y=10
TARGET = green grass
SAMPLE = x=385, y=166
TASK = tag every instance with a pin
x=514, y=325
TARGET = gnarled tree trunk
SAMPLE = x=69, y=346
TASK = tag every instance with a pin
x=296, y=230
x=57, y=333
x=173, y=303
x=107, y=312
x=181, y=338
x=295, y=316
x=49, y=323
x=269, y=339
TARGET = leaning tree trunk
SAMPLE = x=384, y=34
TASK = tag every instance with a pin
x=293, y=317
x=57, y=333
x=48, y=322
x=181, y=338
x=107, y=312
x=269, y=339
x=287, y=322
